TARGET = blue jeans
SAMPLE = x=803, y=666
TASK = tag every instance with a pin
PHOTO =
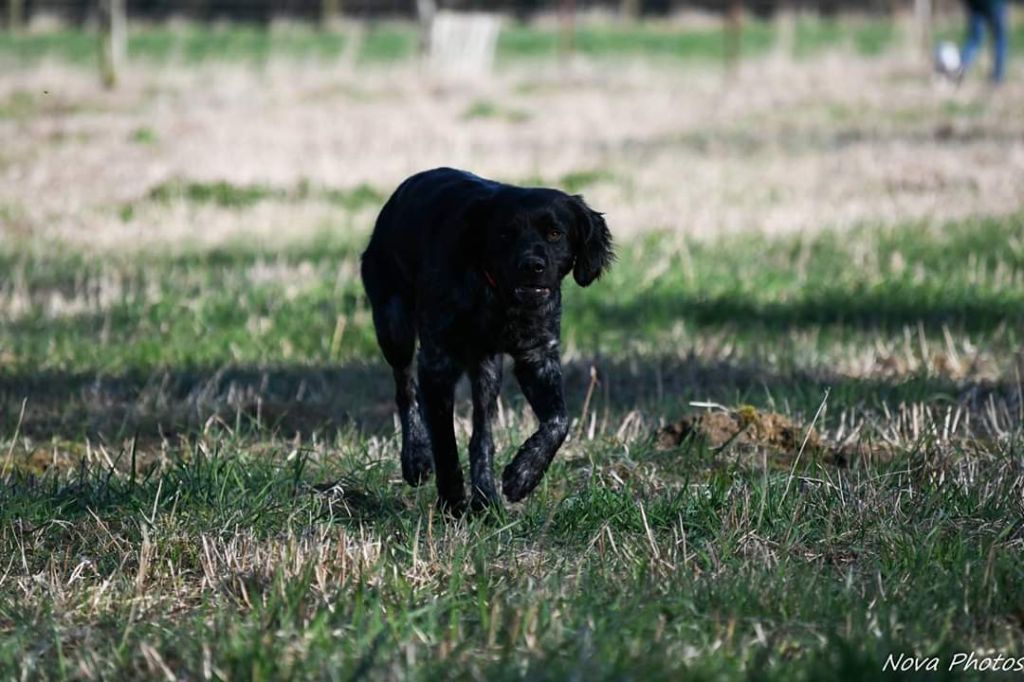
x=992, y=13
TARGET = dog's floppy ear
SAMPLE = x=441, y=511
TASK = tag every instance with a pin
x=592, y=242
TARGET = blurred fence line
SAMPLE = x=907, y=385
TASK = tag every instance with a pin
x=459, y=36
x=20, y=12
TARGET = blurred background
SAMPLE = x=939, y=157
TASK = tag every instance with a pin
x=690, y=115
x=694, y=116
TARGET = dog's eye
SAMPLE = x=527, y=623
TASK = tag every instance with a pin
x=554, y=235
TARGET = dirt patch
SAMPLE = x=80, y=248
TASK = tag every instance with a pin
x=745, y=425
x=748, y=429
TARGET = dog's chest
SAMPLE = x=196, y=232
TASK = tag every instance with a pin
x=499, y=330
x=471, y=327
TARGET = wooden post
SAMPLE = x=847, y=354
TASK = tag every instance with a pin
x=425, y=11
x=15, y=14
x=923, y=19
x=629, y=9
x=785, y=29
x=568, y=17
x=113, y=40
x=330, y=10
x=733, y=34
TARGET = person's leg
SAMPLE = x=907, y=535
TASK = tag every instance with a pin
x=975, y=33
x=1000, y=37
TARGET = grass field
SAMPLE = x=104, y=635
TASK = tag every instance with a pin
x=391, y=41
x=198, y=455
x=398, y=41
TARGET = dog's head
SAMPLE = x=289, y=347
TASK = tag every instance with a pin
x=525, y=242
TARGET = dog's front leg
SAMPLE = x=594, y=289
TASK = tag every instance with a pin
x=437, y=378
x=540, y=377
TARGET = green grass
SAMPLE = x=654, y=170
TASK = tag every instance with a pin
x=868, y=37
x=19, y=105
x=228, y=560
x=228, y=195
x=647, y=40
x=486, y=109
x=165, y=497
x=966, y=277
x=870, y=280
x=384, y=42
x=199, y=43
x=144, y=136
x=956, y=31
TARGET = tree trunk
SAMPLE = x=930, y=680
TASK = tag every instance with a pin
x=568, y=17
x=15, y=15
x=923, y=19
x=629, y=9
x=733, y=34
x=330, y=12
x=113, y=40
x=425, y=11
x=785, y=29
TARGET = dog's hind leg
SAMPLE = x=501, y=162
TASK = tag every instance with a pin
x=437, y=375
x=417, y=460
x=485, y=379
x=396, y=335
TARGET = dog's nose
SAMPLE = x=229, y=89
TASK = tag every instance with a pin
x=532, y=265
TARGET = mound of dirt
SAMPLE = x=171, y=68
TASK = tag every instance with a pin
x=744, y=426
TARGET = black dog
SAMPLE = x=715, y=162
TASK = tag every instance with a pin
x=474, y=269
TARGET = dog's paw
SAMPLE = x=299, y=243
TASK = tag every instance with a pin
x=485, y=498
x=454, y=506
x=417, y=465
x=518, y=480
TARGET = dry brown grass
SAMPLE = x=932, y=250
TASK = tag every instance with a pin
x=783, y=146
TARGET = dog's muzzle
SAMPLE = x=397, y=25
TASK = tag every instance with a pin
x=530, y=295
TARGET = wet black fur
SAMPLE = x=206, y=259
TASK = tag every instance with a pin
x=462, y=263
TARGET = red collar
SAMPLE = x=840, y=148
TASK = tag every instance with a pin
x=490, y=279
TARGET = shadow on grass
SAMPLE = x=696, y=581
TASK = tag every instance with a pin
x=882, y=309
x=288, y=399
x=305, y=399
